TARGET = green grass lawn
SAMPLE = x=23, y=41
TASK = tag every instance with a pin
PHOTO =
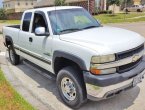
x=9, y=98
x=120, y=18
x=10, y=21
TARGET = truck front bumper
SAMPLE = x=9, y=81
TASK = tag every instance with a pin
x=106, y=86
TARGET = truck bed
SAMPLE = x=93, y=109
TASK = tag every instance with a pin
x=11, y=31
x=14, y=26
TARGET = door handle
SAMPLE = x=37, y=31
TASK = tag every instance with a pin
x=30, y=39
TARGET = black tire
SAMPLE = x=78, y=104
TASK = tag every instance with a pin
x=14, y=58
x=81, y=96
x=126, y=10
x=138, y=10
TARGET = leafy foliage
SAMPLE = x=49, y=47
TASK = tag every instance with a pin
x=2, y=14
x=60, y=2
x=113, y=2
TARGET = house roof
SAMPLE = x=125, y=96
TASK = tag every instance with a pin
x=44, y=3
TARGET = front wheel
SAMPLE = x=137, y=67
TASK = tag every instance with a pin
x=71, y=87
x=14, y=58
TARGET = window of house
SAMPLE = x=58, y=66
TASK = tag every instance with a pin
x=26, y=21
x=31, y=3
x=39, y=21
x=26, y=3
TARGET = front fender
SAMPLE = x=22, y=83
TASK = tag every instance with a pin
x=71, y=57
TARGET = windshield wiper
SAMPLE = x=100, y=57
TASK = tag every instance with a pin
x=69, y=30
x=90, y=27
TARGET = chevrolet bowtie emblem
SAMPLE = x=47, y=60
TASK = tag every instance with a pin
x=135, y=58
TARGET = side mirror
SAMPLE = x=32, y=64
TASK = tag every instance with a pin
x=40, y=31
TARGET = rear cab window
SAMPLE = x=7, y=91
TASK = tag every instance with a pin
x=26, y=21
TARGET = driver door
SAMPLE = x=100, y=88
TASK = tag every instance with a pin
x=41, y=45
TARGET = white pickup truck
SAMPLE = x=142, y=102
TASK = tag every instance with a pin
x=90, y=61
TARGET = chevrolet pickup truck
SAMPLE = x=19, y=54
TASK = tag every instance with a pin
x=90, y=61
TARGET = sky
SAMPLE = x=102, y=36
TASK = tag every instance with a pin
x=1, y=3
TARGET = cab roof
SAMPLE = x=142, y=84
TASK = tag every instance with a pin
x=46, y=9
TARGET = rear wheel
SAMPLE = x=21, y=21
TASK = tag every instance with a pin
x=71, y=87
x=14, y=58
x=126, y=10
x=138, y=10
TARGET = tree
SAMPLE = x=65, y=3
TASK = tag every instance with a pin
x=2, y=14
x=60, y=2
x=125, y=3
x=114, y=3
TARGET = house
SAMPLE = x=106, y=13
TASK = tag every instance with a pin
x=16, y=6
x=143, y=2
x=138, y=2
x=101, y=4
x=90, y=5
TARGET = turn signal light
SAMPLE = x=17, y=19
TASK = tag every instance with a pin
x=102, y=72
x=95, y=71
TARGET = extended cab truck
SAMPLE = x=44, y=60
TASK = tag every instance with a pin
x=90, y=61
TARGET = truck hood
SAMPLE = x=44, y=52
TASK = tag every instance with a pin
x=105, y=40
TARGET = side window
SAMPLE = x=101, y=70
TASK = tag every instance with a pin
x=39, y=21
x=26, y=21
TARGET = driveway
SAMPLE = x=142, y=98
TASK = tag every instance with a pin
x=42, y=86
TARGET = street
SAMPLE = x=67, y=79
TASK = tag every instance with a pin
x=43, y=88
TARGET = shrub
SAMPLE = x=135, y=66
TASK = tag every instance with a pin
x=2, y=14
x=103, y=12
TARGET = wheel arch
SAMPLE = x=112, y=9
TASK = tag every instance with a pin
x=8, y=41
x=60, y=57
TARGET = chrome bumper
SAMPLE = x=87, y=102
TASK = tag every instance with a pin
x=99, y=93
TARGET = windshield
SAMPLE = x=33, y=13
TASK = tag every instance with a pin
x=71, y=20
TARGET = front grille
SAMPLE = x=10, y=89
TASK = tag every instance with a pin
x=128, y=67
x=129, y=53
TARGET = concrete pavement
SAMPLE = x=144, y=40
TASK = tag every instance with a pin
x=136, y=27
x=42, y=89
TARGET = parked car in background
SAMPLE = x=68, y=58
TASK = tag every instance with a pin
x=134, y=8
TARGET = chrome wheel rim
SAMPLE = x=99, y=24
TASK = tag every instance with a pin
x=68, y=89
x=12, y=55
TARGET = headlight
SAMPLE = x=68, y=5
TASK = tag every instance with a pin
x=103, y=59
x=98, y=60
